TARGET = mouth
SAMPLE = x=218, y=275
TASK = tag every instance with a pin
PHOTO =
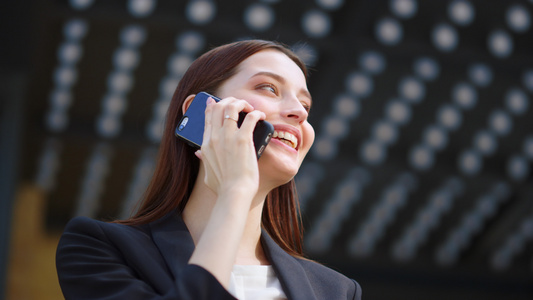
x=286, y=137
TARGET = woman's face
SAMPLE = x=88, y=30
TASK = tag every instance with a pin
x=272, y=83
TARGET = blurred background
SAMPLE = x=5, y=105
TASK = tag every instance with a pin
x=419, y=185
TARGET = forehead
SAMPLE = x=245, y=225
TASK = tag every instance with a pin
x=272, y=61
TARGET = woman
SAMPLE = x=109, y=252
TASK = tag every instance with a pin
x=215, y=223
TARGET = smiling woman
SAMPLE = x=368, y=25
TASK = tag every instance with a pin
x=215, y=223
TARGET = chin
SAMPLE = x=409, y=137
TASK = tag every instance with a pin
x=277, y=182
x=278, y=170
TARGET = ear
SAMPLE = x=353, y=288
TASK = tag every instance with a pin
x=187, y=103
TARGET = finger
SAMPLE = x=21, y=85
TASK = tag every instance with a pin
x=247, y=107
x=231, y=114
x=230, y=118
x=250, y=121
x=233, y=106
x=210, y=109
x=208, y=120
x=198, y=154
x=243, y=105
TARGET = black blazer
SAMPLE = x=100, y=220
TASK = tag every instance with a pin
x=99, y=260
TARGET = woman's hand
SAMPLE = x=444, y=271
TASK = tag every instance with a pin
x=229, y=162
x=228, y=152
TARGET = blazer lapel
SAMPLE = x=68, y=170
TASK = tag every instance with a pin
x=290, y=273
x=173, y=239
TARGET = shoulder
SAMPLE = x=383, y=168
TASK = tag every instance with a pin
x=83, y=230
x=103, y=245
x=327, y=280
x=88, y=225
x=97, y=260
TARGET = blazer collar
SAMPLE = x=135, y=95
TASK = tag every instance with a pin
x=290, y=272
x=174, y=240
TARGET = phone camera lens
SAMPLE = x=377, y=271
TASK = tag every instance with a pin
x=183, y=123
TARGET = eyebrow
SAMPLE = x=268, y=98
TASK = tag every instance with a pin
x=281, y=80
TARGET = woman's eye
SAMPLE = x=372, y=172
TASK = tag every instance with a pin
x=306, y=106
x=269, y=87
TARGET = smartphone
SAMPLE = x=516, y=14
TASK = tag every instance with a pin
x=191, y=126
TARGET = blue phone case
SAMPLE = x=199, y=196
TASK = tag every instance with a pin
x=191, y=126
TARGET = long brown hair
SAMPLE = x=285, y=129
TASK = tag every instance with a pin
x=177, y=166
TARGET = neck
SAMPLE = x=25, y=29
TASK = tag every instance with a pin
x=198, y=211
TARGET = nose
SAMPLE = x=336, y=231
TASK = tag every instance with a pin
x=294, y=109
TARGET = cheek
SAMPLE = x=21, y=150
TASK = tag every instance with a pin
x=259, y=105
x=309, y=135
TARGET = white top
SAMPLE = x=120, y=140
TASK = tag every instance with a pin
x=254, y=282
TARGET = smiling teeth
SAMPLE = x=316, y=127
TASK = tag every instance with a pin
x=286, y=137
